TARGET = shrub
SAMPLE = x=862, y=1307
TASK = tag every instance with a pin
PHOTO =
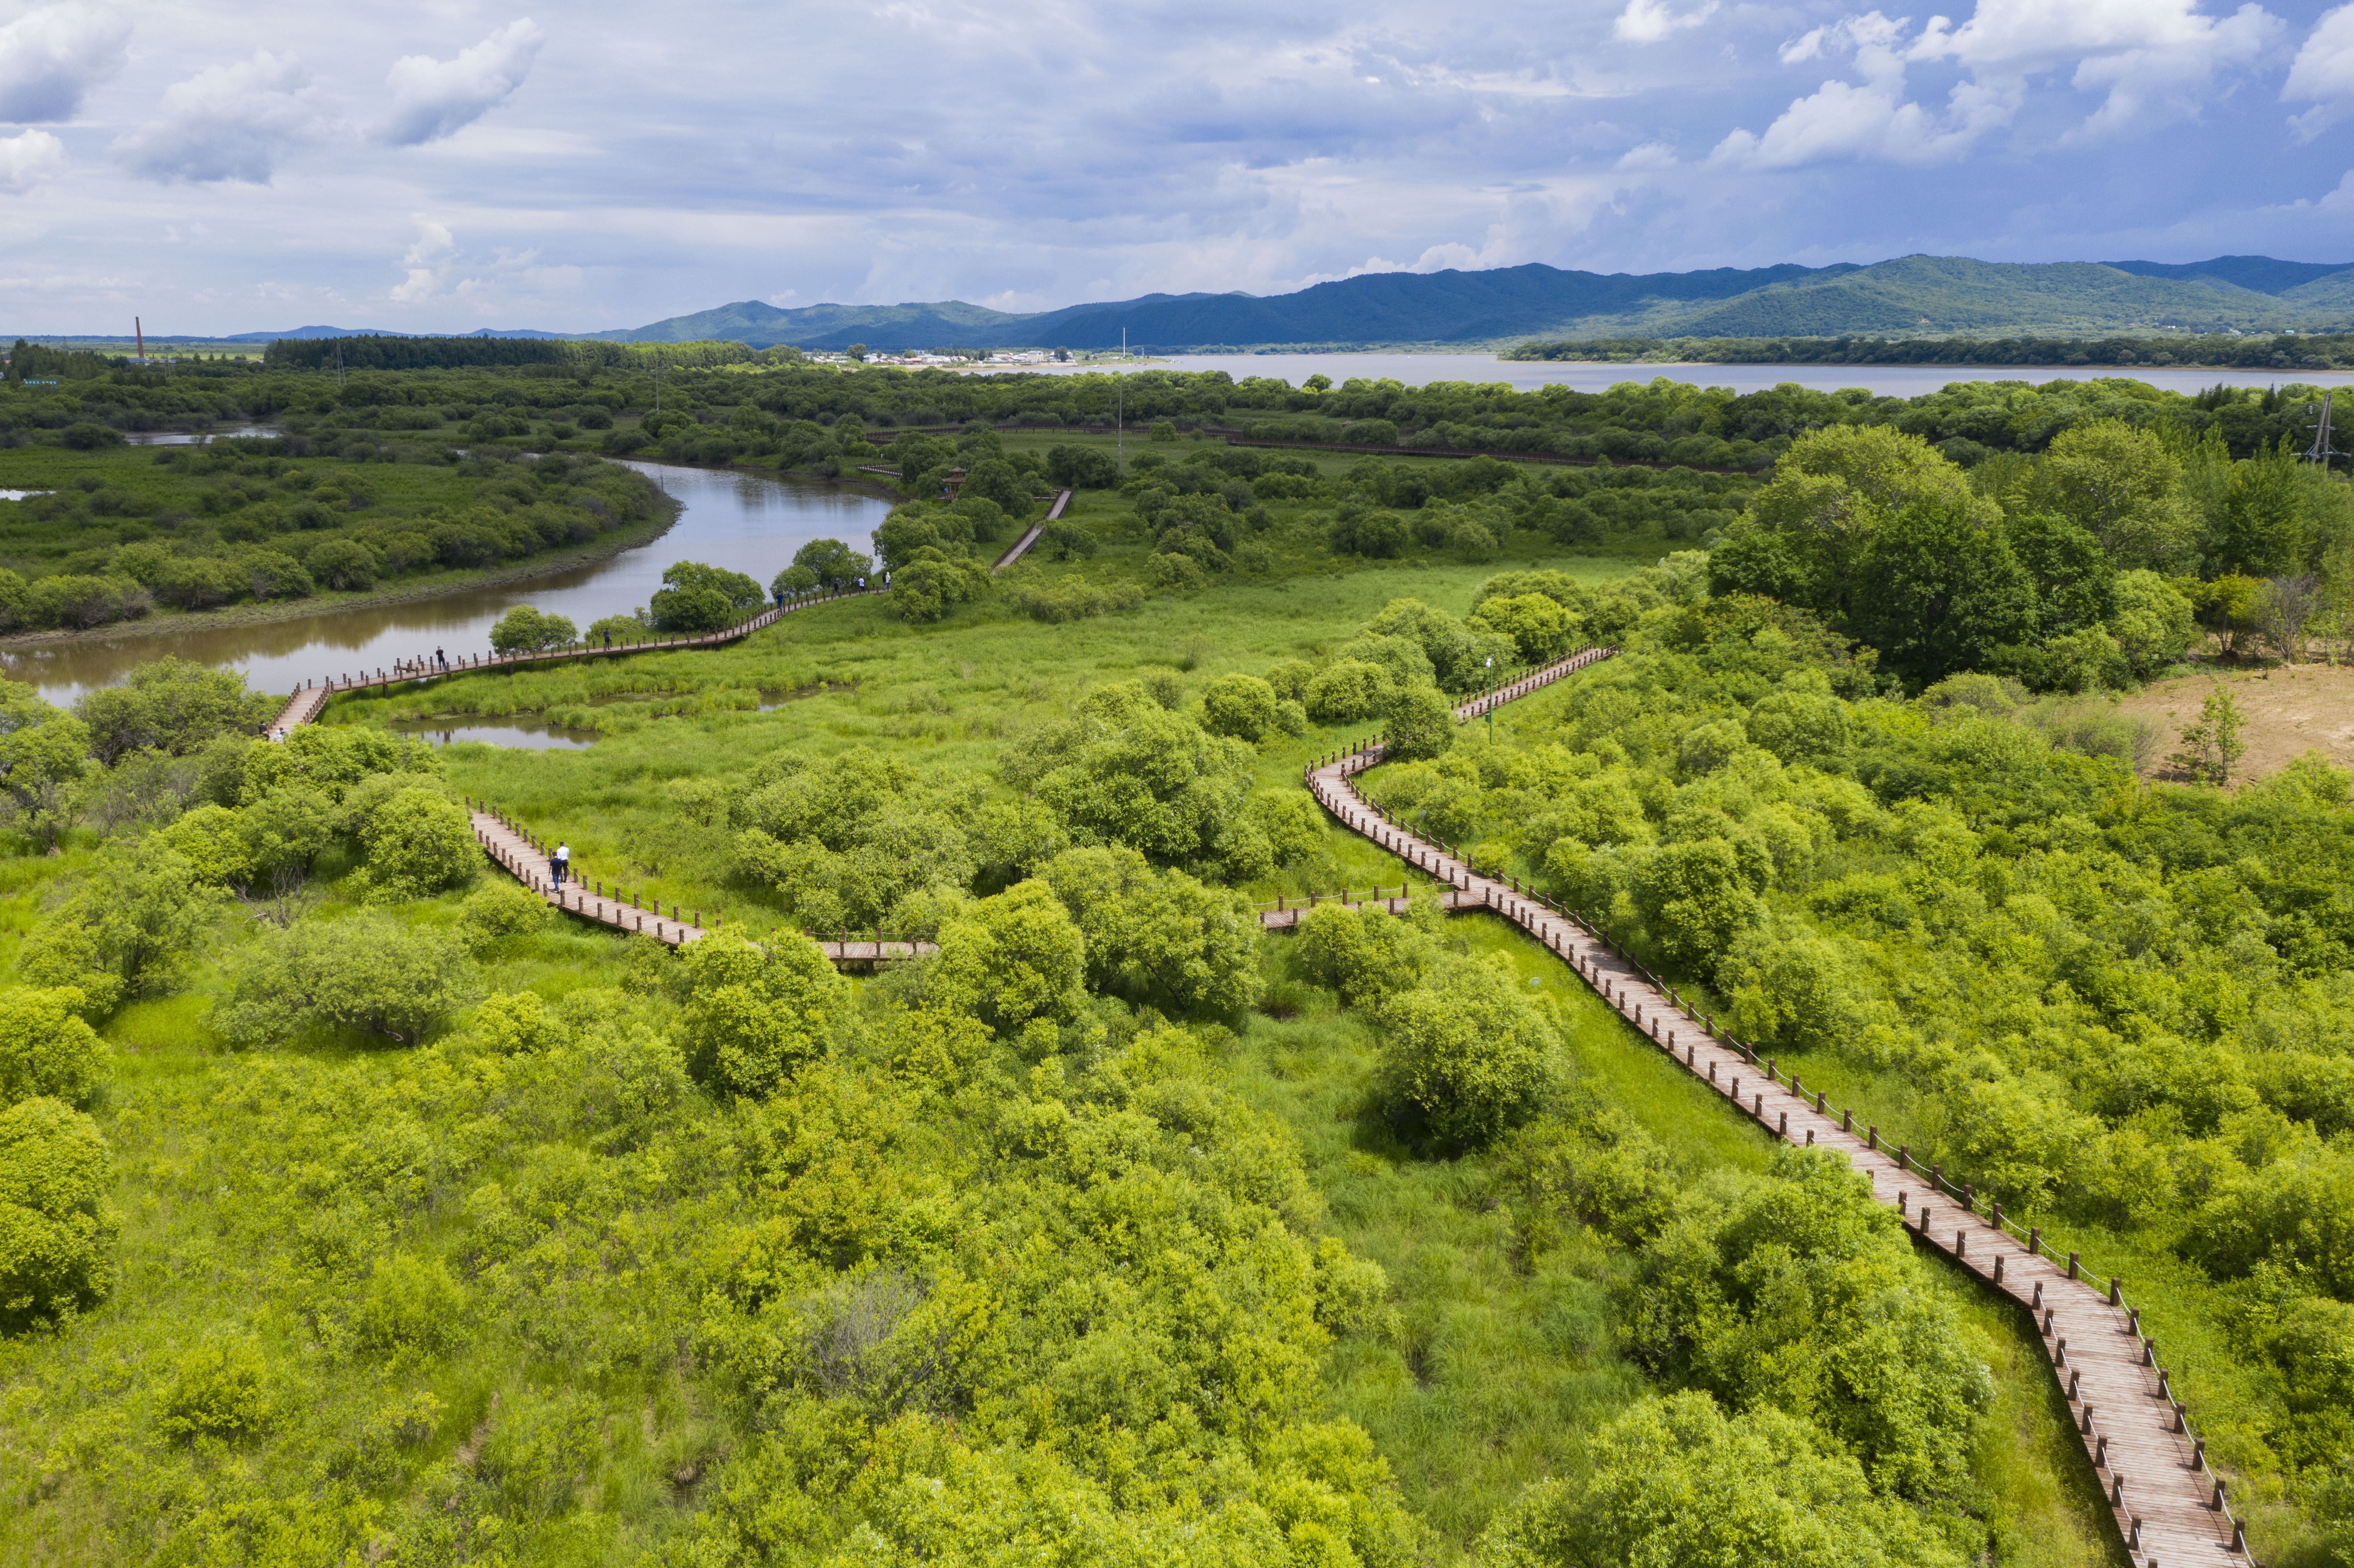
x=1416, y=721
x=87, y=436
x=832, y=565
x=411, y=1309
x=1243, y=706
x=217, y=1390
x=499, y=909
x=524, y=630
x=1176, y=574
x=1539, y=627
x=55, y=1239
x=1363, y=957
x=1015, y=957
x=754, y=1015
x=1675, y=1480
x=46, y=1049
x=1469, y=1058
x=1081, y=468
x=369, y=972
x=1348, y=691
x=171, y=705
x=419, y=843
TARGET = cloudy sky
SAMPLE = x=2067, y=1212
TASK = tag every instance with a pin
x=453, y=164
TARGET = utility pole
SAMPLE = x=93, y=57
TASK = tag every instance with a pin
x=1491, y=697
x=2320, y=451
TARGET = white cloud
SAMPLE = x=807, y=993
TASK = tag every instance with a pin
x=2156, y=59
x=2150, y=59
x=424, y=280
x=432, y=99
x=28, y=159
x=2323, y=73
x=1650, y=21
x=227, y=123
x=1843, y=120
x=50, y=58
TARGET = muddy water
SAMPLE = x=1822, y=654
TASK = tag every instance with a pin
x=746, y=521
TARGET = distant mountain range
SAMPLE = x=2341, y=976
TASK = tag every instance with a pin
x=1912, y=296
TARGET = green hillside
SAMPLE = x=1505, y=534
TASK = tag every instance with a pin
x=1917, y=295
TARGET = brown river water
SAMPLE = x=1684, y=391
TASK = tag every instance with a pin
x=746, y=521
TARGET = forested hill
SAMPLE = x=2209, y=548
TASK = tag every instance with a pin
x=1910, y=296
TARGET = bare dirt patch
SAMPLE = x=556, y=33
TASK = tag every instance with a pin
x=2287, y=712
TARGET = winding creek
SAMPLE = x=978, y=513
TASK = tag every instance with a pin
x=750, y=523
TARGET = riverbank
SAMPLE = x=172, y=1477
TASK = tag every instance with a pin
x=165, y=622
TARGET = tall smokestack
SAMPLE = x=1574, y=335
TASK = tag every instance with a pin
x=140, y=333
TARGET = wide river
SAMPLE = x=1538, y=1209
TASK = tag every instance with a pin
x=1887, y=380
x=746, y=521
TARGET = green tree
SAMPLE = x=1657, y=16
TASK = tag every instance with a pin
x=1468, y=1057
x=1081, y=468
x=695, y=599
x=2153, y=624
x=524, y=630
x=1364, y=956
x=1126, y=770
x=994, y=480
x=419, y=842
x=1830, y=495
x=1676, y=1483
x=2076, y=581
x=1416, y=721
x=43, y=751
x=1015, y=959
x=754, y=1015
x=172, y=706
x=1695, y=899
x=2122, y=486
x=1940, y=590
x=45, y=1048
x=344, y=565
x=369, y=972
x=834, y=565
x=57, y=1237
x=2211, y=746
x=1243, y=706
x=124, y=931
x=1159, y=937
x=1541, y=628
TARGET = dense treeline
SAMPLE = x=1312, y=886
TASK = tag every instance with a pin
x=196, y=528
x=782, y=412
x=2238, y=351
x=568, y=356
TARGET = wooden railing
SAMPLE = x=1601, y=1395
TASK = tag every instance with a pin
x=2166, y=1502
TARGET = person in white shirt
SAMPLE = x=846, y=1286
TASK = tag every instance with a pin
x=562, y=864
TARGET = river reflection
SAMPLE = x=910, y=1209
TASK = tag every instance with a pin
x=749, y=523
x=524, y=733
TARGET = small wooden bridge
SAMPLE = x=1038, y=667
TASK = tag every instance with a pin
x=531, y=862
x=2168, y=1506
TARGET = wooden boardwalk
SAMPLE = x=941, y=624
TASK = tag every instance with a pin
x=2168, y=1505
x=304, y=704
x=527, y=860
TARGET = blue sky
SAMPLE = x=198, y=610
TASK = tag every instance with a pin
x=449, y=165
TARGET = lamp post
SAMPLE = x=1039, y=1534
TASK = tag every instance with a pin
x=1491, y=705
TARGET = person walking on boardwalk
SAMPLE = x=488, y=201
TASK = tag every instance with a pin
x=561, y=864
x=441, y=658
